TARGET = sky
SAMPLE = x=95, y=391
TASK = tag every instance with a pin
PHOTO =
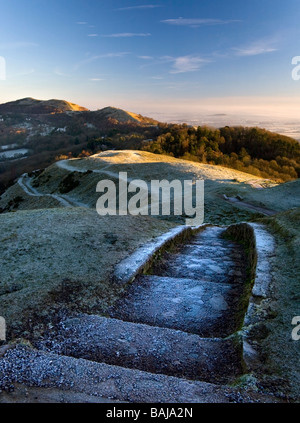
x=154, y=56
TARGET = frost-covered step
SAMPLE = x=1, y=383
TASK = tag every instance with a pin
x=232, y=254
x=148, y=348
x=207, y=256
x=211, y=232
x=202, y=250
x=207, y=268
x=46, y=370
x=204, y=308
x=209, y=235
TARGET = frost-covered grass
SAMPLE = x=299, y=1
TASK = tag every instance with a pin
x=282, y=352
x=51, y=259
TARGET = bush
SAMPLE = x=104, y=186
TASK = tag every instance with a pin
x=68, y=184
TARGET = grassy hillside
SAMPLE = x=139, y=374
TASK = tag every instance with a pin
x=61, y=259
x=281, y=351
x=43, y=242
x=80, y=177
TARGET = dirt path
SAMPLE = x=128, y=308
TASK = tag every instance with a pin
x=25, y=183
x=63, y=164
x=249, y=206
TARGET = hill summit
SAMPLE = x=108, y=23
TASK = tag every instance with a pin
x=30, y=105
x=122, y=116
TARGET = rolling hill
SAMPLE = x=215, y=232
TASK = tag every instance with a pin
x=123, y=116
x=46, y=129
x=32, y=106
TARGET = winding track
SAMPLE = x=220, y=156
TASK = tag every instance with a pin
x=240, y=203
x=63, y=164
x=25, y=183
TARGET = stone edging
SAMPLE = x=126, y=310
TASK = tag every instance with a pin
x=261, y=248
x=142, y=259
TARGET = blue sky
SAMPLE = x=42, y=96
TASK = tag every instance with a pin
x=147, y=55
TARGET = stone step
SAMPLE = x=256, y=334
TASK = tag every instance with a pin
x=234, y=255
x=212, y=236
x=206, y=268
x=40, y=369
x=207, y=257
x=148, y=348
x=199, y=250
x=211, y=232
x=204, y=308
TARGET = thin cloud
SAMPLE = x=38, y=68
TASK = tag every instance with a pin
x=59, y=73
x=180, y=64
x=127, y=35
x=98, y=57
x=255, y=49
x=81, y=23
x=145, y=57
x=185, y=64
x=21, y=73
x=96, y=79
x=197, y=22
x=142, y=7
x=93, y=35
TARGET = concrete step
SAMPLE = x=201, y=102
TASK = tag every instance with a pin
x=39, y=369
x=148, y=348
x=206, y=309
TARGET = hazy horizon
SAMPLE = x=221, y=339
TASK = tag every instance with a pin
x=210, y=114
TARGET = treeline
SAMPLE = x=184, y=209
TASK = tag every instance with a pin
x=251, y=150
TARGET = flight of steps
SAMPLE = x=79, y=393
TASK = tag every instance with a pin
x=195, y=292
x=170, y=338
